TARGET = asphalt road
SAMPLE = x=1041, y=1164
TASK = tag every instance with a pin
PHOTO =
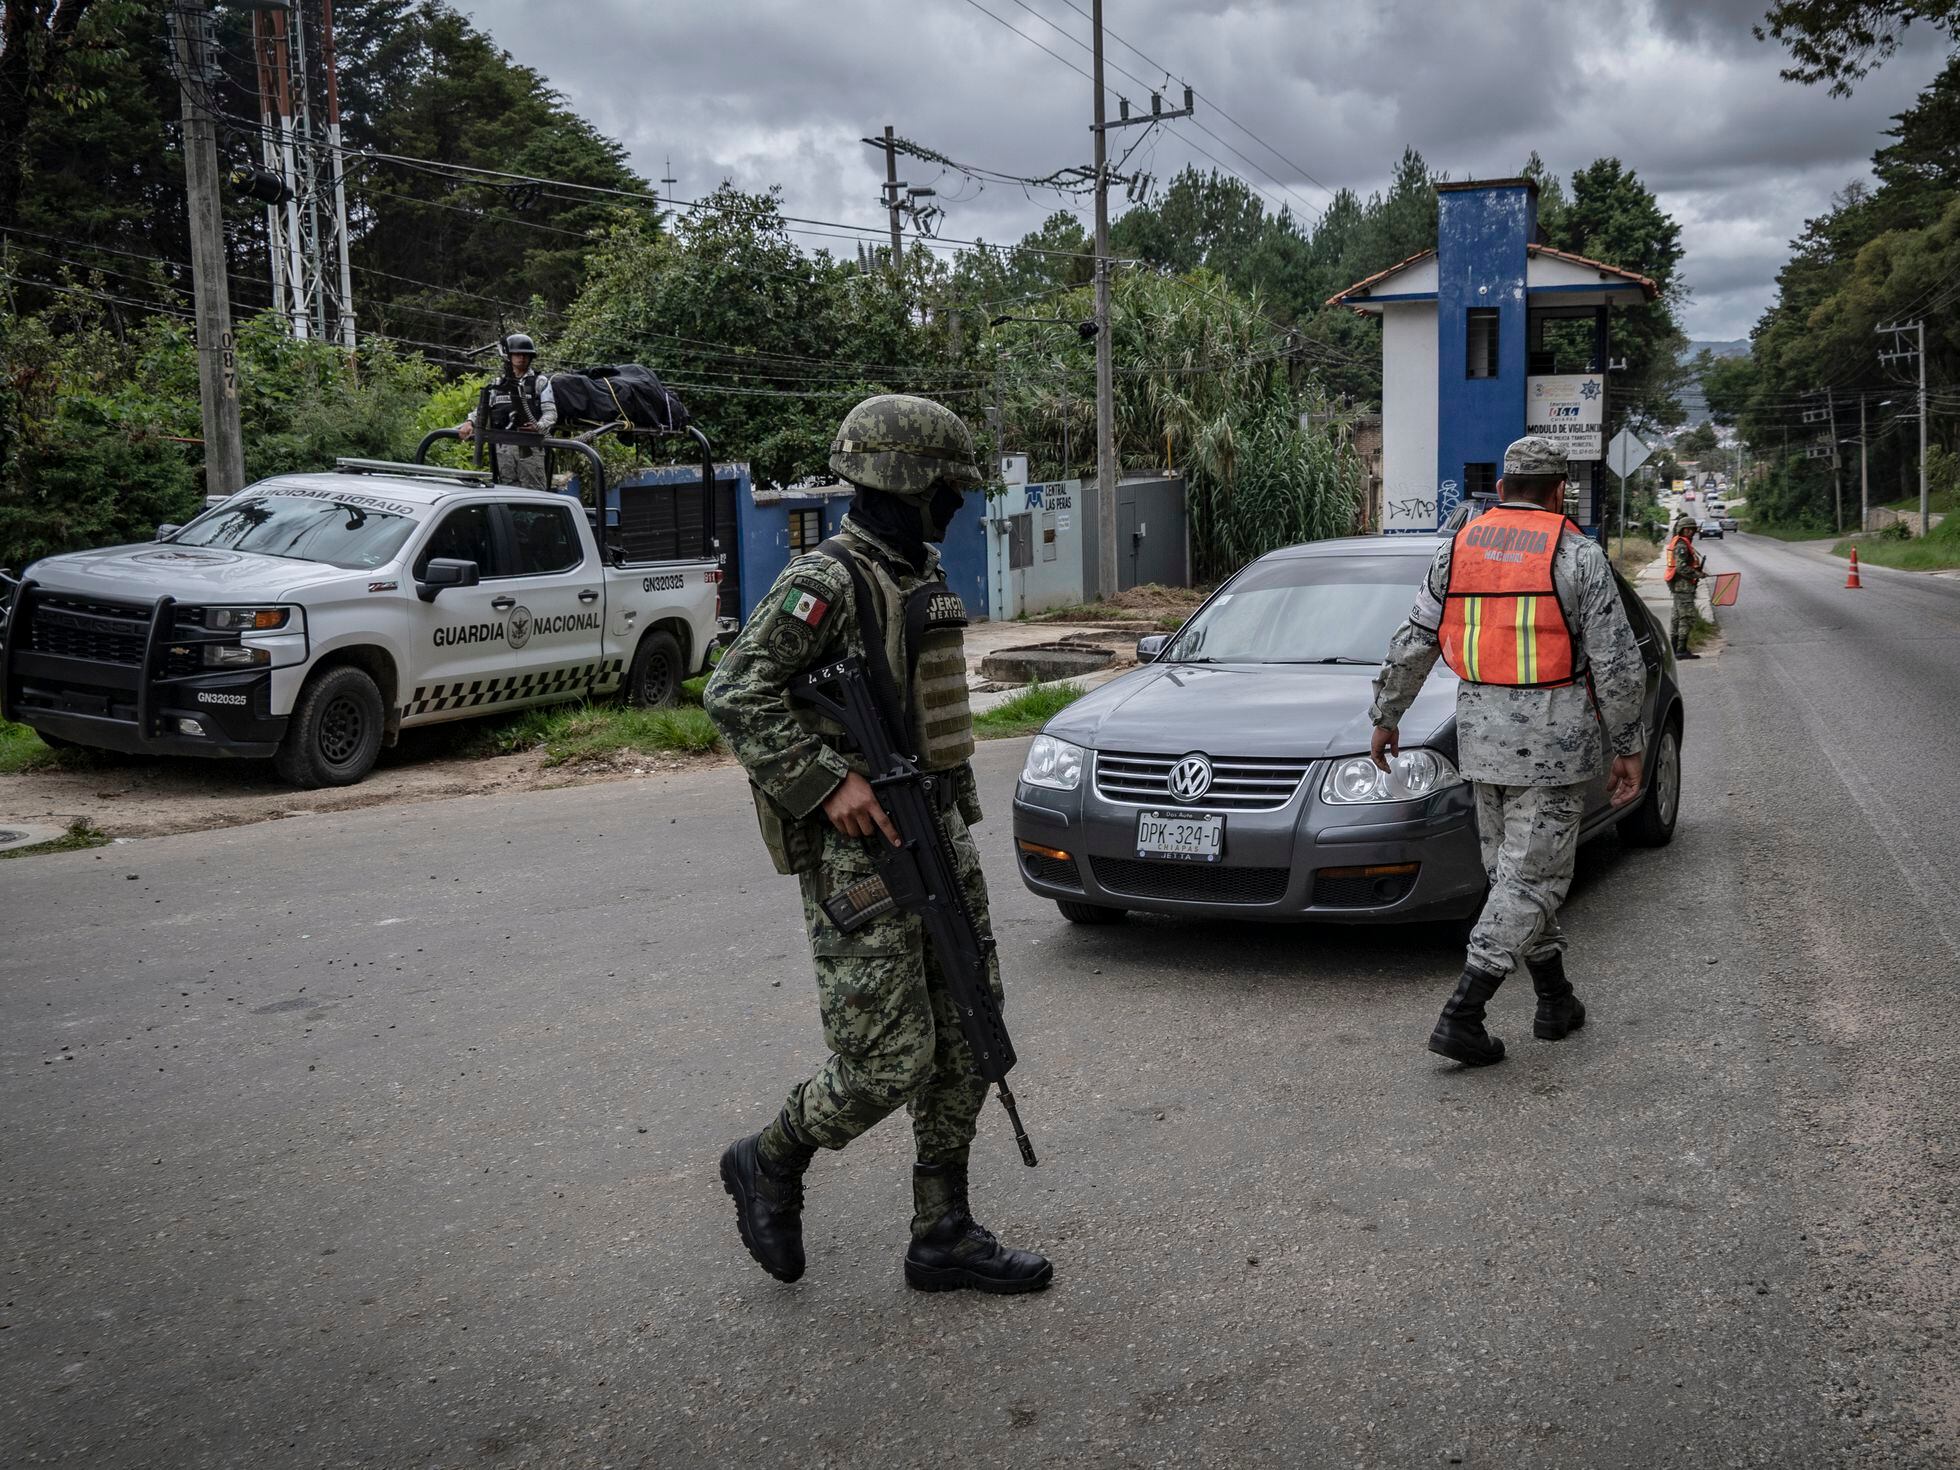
x=388, y=1138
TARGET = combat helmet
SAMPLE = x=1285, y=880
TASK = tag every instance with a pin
x=904, y=445
x=516, y=342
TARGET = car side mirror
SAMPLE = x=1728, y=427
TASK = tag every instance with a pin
x=167, y=530
x=445, y=571
x=1151, y=646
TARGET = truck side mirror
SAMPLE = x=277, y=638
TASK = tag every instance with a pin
x=167, y=530
x=445, y=571
x=1150, y=646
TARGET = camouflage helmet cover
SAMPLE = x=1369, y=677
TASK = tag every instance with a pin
x=904, y=445
x=1534, y=455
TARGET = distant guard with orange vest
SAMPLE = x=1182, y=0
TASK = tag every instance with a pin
x=1523, y=607
x=1684, y=572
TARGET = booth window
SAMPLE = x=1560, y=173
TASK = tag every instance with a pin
x=1479, y=479
x=1480, y=358
x=805, y=531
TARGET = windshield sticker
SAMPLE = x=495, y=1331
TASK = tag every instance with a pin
x=340, y=497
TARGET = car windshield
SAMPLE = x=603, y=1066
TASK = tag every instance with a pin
x=355, y=531
x=1304, y=609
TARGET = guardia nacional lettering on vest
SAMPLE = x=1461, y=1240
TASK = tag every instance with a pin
x=1502, y=620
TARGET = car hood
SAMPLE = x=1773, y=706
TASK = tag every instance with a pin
x=188, y=573
x=1305, y=710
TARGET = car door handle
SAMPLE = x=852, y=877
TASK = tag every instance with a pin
x=503, y=604
x=588, y=595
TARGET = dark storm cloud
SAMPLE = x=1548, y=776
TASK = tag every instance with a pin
x=772, y=92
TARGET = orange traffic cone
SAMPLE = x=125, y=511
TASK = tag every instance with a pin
x=1851, y=577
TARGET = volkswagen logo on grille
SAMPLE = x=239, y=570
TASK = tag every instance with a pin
x=1190, y=778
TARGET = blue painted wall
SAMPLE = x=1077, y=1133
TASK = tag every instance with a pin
x=1480, y=254
x=762, y=538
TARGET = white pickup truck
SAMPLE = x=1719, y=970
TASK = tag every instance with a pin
x=311, y=618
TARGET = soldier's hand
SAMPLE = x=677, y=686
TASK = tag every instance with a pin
x=1387, y=742
x=855, y=811
x=466, y=429
x=1623, y=783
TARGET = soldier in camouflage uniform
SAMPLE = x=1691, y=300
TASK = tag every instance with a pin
x=894, y=1035
x=1684, y=572
x=1531, y=753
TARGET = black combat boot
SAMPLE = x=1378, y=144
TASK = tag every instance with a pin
x=1681, y=650
x=768, y=1195
x=951, y=1250
x=1459, y=1033
x=1560, y=1012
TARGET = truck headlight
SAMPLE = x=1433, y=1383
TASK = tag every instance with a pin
x=235, y=656
x=1053, y=763
x=247, y=619
x=1412, y=774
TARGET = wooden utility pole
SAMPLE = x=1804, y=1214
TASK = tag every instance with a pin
x=217, y=370
x=1864, y=470
x=1837, y=460
x=892, y=201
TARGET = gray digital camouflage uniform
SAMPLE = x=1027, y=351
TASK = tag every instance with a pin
x=1532, y=753
x=894, y=1038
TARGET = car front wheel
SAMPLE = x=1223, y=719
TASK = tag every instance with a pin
x=335, y=732
x=1653, y=824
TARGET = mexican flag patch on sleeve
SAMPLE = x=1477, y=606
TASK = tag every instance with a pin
x=805, y=607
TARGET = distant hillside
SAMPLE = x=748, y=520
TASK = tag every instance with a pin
x=1737, y=348
x=1694, y=408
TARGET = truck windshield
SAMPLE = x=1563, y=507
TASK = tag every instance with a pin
x=338, y=531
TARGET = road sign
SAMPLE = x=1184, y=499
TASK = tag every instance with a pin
x=1626, y=454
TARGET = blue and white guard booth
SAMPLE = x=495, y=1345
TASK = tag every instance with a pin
x=1490, y=336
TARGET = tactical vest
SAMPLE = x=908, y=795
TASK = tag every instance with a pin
x=1680, y=557
x=925, y=643
x=514, y=402
x=1502, y=620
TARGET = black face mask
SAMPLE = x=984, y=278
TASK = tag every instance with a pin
x=938, y=514
x=893, y=521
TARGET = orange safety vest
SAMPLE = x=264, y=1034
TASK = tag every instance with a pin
x=1675, y=562
x=1502, y=620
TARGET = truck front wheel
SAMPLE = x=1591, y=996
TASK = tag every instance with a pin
x=335, y=732
x=655, y=678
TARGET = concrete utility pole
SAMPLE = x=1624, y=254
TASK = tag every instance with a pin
x=217, y=370
x=1107, y=580
x=1899, y=330
x=891, y=199
x=1864, y=469
x=1837, y=460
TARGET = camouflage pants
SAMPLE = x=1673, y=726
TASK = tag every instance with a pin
x=515, y=467
x=1684, y=612
x=894, y=1036
x=1530, y=837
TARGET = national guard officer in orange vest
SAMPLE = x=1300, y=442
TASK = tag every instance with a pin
x=1523, y=607
x=1684, y=571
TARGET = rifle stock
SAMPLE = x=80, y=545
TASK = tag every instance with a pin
x=919, y=875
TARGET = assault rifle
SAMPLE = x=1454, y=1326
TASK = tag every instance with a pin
x=918, y=875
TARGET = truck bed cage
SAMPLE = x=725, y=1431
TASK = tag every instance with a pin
x=615, y=515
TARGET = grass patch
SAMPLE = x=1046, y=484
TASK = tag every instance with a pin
x=1937, y=552
x=1788, y=533
x=81, y=834
x=1028, y=711
x=1639, y=551
x=1701, y=634
x=569, y=733
x=22, y=750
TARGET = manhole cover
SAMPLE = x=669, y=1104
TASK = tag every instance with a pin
x=9, y=835
x=12, y=837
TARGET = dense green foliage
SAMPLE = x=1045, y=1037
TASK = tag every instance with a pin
x=1881, y=255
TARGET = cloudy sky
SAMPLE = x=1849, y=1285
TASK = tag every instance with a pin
x=781, y=91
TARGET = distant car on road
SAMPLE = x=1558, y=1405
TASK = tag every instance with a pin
x=1711, y=527
x=1228, y=777
x=1729, y=523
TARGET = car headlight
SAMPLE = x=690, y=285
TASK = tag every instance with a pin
x=247, y=619
x=1053, y=763
x=1412, y=774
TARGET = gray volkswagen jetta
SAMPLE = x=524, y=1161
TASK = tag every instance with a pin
x=1228, y=776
